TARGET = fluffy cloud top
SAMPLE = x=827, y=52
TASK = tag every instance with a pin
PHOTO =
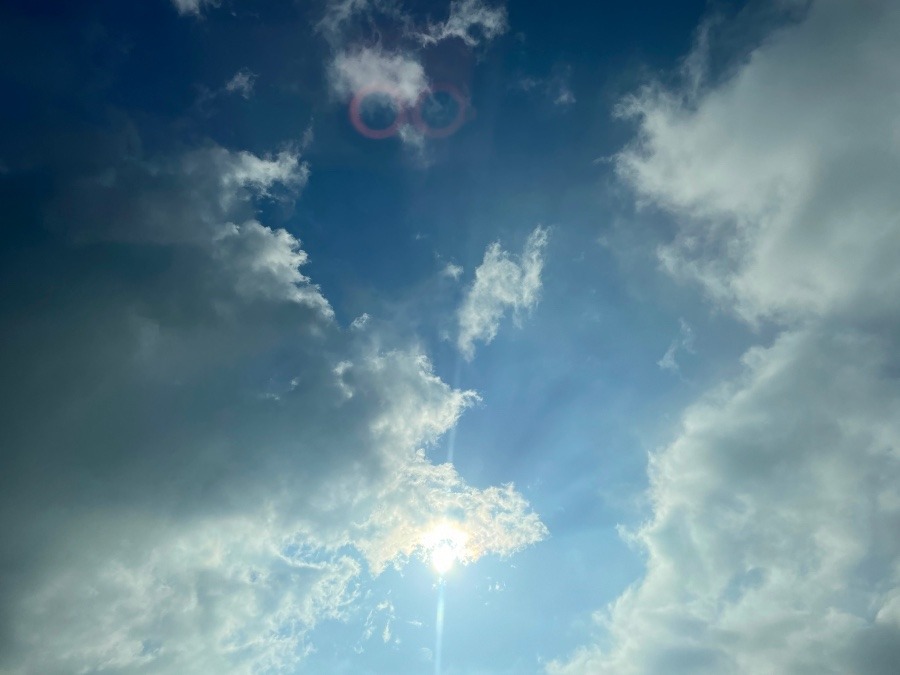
x=783, y=176
x=372, y=66
x=501, y=284
x=768, y=549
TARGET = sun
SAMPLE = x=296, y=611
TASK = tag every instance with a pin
x=445, y=545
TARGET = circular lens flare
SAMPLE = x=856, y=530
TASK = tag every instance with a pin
x=377, y=103
x=447, y=115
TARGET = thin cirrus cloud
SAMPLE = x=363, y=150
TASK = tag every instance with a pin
x=226, y=465
x=503, y=283
x=194, y=7
x=242, y=83
x=471, y=21
x=683, y=343
x=770, y=545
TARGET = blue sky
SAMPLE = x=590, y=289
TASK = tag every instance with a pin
x=621, y=347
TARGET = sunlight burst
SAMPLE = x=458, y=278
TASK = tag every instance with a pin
x=445, y=545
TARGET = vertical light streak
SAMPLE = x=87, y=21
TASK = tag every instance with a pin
x=451, y=439
x=439, y=629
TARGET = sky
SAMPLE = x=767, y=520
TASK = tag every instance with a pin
x=465, y=338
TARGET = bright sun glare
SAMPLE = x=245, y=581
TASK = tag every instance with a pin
x=446, y=545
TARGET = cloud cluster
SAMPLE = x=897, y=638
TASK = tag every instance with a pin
x=361, y=61
x=501, y=284
x=770, y=546
x=354, y=70
x=768, y=550
x=199, y=464
x=684, y=342
x=783, y=176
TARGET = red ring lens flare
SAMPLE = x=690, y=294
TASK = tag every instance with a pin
x=358, y=120
x=419, y=111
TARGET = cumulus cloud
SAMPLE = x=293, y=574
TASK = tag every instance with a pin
x=199, y=464
x=783, y=176
x=501, y=284
x=767, y=548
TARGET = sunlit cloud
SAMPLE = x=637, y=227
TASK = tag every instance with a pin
x=263, y=498
x=502, y=283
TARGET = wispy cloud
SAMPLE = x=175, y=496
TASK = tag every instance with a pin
x=472, y=21
x=242, y=83
x=194, y=7
x=502, y=283
x=684, y=342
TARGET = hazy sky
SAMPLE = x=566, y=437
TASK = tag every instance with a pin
x=398, y=338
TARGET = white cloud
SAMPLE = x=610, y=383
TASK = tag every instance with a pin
x=242, y=83
x=265, y=264
x=361, y=61
x=784, y=175
x=206, y=466
x=373, y=66
x=496, y=520
x=501, y=284
x=360, y=322
x=452, y=271
x=215, y=596
x=246, y=170
x=767, y=549
x=470, y=21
